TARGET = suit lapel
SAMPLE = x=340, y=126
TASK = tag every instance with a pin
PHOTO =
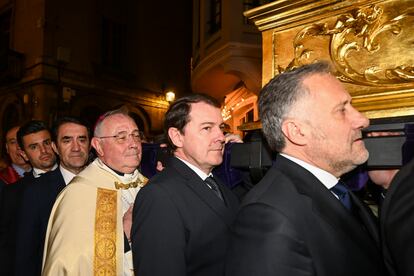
x=326, y=205
x=197, y=185
x=54, y=181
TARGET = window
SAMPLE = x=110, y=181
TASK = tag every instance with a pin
x=196, y=22
x=213, y=17
x=113, y=43
x=249, y=116
x=4, y=39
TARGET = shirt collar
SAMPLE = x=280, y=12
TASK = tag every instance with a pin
x=20, y=171
x=327, y=179
x=199, y=172
x=67, y=175
x=37, y=172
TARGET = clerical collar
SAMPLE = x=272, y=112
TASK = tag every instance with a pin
x=125, y=177
x=38, y=172
x=117, y=172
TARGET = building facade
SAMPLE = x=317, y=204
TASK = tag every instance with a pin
x=227, y=57
x=84, y=57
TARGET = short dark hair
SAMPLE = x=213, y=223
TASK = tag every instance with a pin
x=29, y=128
x=65, y=120
x=178, y=114
x=278, y=97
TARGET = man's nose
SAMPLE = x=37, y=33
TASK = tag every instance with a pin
x=76, y=146
x=132, y=142
x=360, y=121
x=43, y=149
x=220, y=135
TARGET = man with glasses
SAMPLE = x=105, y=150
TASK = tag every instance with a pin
x=89, y=227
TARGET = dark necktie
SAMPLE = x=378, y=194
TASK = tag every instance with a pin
x=343, y=194
x=211, y=183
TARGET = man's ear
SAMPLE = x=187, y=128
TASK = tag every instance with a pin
x=24, y=155
x=295, y=131
x=96, y=144
x=54, y=147
x=176, y=137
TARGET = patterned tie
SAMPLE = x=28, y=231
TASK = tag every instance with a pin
x=342, y=192
x=212, y=184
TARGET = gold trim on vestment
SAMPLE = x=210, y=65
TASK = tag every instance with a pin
x=137, y=183
x=105, y=233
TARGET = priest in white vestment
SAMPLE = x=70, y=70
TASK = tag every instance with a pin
x=89, y=227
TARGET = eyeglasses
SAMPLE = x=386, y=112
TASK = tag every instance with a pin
x=122, y=137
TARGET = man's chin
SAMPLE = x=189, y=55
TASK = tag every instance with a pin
x=362, y=158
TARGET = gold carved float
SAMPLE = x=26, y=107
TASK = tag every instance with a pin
x=369, y=43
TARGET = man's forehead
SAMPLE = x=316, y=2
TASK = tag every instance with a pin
x=36, y=137
x=72, y=129
x=118, y=122
x=326, y=87
x=12, y=133
x=204, y=113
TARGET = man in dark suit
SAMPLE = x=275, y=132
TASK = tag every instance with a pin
x=397, y=223
x=71, y=143
x=182, y=218
x=17, y=165
x=35, y=141
x=297, y=220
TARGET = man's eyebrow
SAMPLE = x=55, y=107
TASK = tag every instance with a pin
x=33, y=144
x=207, y=123
x=343, y=103
x=67, y=137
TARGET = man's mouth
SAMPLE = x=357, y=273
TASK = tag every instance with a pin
x=45, y=157
x=76, y=156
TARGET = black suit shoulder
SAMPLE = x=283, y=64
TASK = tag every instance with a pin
x=37, y=203
x=291, y=224
x=10, y=205
x=179, y=222
x=397, y=223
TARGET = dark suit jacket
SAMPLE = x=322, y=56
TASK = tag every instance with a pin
x=36, y=205
x=397, y=223
x=10, y=204
x=180, y=227
x=291, y=224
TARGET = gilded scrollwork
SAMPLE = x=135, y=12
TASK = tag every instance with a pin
x=365, y=45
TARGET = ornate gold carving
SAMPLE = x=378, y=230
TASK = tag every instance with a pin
x=105, y=233
x=138, y=183
x=361, y=46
